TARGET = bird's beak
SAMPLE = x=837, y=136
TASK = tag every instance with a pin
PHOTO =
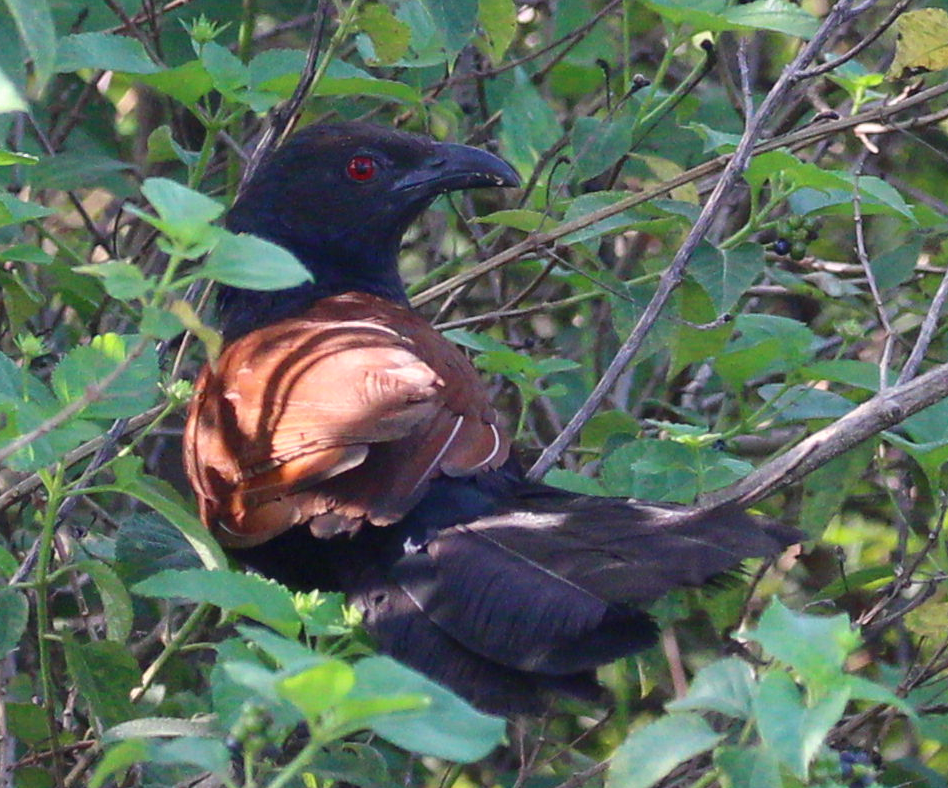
x=451, y=166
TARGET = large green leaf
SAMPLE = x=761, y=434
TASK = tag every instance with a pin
x=103, y=51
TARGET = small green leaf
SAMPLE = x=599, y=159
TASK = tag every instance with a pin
x=455, y=20
x=105, y=673
x=14, y=614
x=726, y=275
x=34, y=22
x=598, y=144
x=160, y=323
x=26, y=253
x=10, y=98
x=318, y=687
x=118, y=759
x=147, y=543
x=8, y=563
x=816, y=646
x=344, y=79
x=390, y=37
x=116, y=602
x=134, y=389
x=227, y=72
x=498, y=20
x=651, y=752
x=726, y=686
x=446, y=728
x=518, y=218
x=184, y=213
x=103, y=51
x=792, y=731
x=748, y=767
x=121, y=280
x=14, y=211
x=777, y=15
x=131, y=479
x=247, y=595
x=9, y=158
x=251, y=262
x=185, y=83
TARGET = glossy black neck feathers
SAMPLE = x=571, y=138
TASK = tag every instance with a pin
x=340, y=197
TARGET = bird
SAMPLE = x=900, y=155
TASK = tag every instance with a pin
x=341, y=443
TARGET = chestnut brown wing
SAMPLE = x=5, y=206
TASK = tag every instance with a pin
x=334, y=418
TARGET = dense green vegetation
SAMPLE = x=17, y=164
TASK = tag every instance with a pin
x=722, y=280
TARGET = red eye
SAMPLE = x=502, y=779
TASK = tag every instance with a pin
x=361, y=168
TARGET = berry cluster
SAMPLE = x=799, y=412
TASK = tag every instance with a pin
x=793, y=234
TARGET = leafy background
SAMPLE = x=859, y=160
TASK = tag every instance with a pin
x=801, y=298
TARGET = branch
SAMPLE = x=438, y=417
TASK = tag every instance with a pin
x=885, y=409
x=793, y=140
x=676, y=270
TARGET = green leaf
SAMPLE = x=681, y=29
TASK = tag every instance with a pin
x=116, y=602
x=163, y=147
x=498, y=20
x=827, y=488
x=118, y=759
x=446, y=728
x=9, y=158
x=778, y=15
x=14, y=211
x=121, y=280
x=228, y=74
x=104, y=51
x=765, y=345
x=34, y=22
x=815, y=646
x=897, y=265
x=792, y=731
x=802, y=403
x=343, y=79
x=104, y=673
x=651, y=469
x=26, y=253
x=184, y=213
x=455, y=19
x=390, y=36
x=146, y=543
x=690, y=344
x=74, y=170
x=726, y=275
x=726, y=686
x=652, y=751
x=14, y=614
x=247, y=595
x=528, y=128
x=253, y=263
x=134, y=389
x=131, y=480
x=318, y=688
x=748, y=767
x=8, y=563
x=598, y=144
x=185, y=83
x=10, y=98
x=160, y=323
x=518, y=218
x=573, y=482
x=28, y=722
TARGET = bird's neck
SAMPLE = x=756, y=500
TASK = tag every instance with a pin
x=335, y=271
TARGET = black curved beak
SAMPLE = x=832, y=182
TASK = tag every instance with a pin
x=451, y=166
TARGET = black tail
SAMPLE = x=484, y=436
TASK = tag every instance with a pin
x=539, y=594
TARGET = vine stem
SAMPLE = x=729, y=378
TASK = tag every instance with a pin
x=54, y=489
x=174, y=645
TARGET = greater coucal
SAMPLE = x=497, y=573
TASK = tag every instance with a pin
x=341, y=443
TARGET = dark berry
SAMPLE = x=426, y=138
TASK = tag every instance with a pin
x=782, y=246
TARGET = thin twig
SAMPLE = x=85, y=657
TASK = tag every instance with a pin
x=927, y=331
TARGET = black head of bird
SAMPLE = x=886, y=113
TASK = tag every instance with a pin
x=342, y=443
x=340, y=197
